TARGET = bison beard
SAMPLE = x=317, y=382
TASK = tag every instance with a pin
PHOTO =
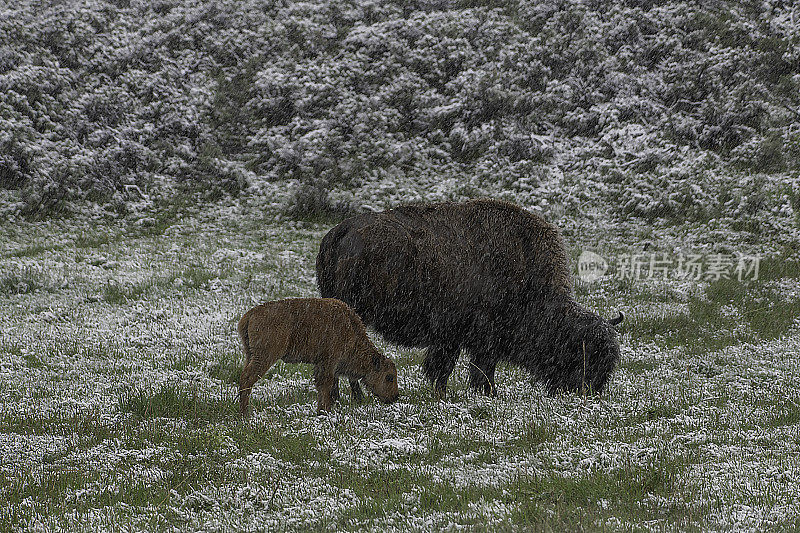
x=485, y=276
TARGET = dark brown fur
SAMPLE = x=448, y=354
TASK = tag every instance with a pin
x=322, y=331
x=484, y=276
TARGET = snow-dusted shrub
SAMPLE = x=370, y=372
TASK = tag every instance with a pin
x=341, y=99
x=764, y=154
x=16, y=158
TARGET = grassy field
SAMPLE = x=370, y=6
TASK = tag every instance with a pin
x=119, y=358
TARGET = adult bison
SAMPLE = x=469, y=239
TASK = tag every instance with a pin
x=485, y=276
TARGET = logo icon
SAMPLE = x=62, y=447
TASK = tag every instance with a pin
x=591, y=266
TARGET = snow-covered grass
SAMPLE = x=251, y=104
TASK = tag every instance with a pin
x=119, y=358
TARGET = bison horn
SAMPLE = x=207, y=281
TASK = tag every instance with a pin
x=618, y=320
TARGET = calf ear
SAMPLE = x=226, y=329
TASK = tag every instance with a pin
x=377, y=360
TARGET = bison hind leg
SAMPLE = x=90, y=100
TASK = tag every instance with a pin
x=438, y=365
x=355, y=391
x=481, y=376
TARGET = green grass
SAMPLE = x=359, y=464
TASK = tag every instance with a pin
x=772, y=268
x=564, y=504
x=93, y=240
x=126, y=415
x=26, y=281
x=228, y=368
x=173, y=401
x=12, y=349
x=116, y=294
x=86, y=427
x=755, y=313
x=779, y=412
x=191, y=278
x=47, y=487
x=32, y=251
x=546, y=501
x=196, y=277
x=33, y=361
x=638, y=365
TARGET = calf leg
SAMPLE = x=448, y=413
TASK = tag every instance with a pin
x=355, y=391
x=246, y=382
x=258, y=362
x=438, y=365
x=251, y=373
x=324, y=379
x=481, y=375
x=335, y=389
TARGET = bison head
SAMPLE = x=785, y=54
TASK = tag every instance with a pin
x=572, y=349
x=597, y=348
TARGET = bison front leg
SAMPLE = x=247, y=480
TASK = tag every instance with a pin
x=324, y=380
x=438, y=365
x=481, y=375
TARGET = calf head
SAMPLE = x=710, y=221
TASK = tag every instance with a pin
x=381, y=380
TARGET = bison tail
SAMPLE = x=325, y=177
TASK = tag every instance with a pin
x=244, y=337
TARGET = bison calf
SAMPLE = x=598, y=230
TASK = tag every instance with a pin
x=322, y=331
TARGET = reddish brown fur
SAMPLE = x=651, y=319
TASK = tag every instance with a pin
x=322, y=331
